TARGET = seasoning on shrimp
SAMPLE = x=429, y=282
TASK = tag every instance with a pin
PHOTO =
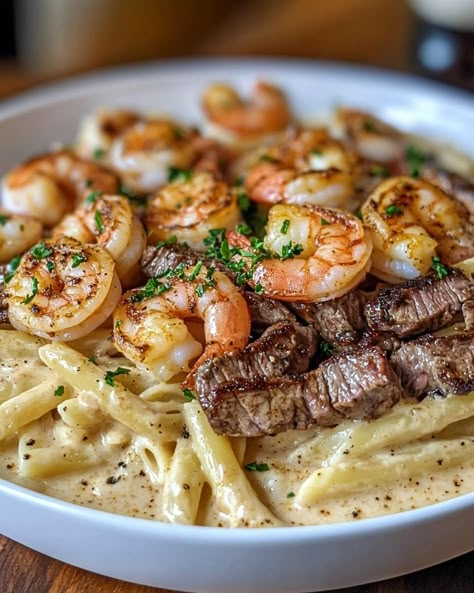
x=312, y=261
x=410, y=222
x=17, y=234
x=188, y=208
x=67, y=301
x=153, y=333
x=48, y=186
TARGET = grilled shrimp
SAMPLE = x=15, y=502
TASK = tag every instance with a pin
x=320, y=253
x=62, y=290
x=17, y=234
x=190, y=208
x=98, y=131
x=371, y=137
x=410, y=221
x=310, y=168
x=47, y=186
x=108, y=221
x=232, y=118
x=149, y=327
x=143, y=154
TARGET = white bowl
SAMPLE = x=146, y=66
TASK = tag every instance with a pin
x=205, y=559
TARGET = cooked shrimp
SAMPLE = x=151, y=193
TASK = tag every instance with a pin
x=322, y=253
x=190, y=208
x=98, y=131
x=109, y=221
x=144, y=153
x=63, y=290
x=310, y=168
x=48, y=186
x=371, y=137
x=149, y=327
x=266, y=113
x=17, y=234
x=411, y=221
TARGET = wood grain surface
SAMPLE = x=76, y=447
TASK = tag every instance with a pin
x=25, y=571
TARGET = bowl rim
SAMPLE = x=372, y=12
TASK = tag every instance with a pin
x=47, y=94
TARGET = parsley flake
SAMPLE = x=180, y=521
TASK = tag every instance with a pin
x=40, y=251
x=34, y=292
x=4, y=219
x=92, y=197
x=50, y=265
x=325, y=222
x=266, y=158
x=78, y=259
x=290, y=495
x=243, y=201
x=169, y=241
x=12, y=268
x=176, y=174
x=290, y=250
x=317, y=152
x=378, y=171
x=392, y=210
x=325, y=348
x=152, y=288
x=257, y=467
x=188, y=394
x=118, y=323
x=98, y=154
x=369, y=126
x=59, y=391
x=414, y=159
x=284, y=227
x=244, y=229
x=441, y=270
x=92, y=359
x=99, y=222
x=109, y=375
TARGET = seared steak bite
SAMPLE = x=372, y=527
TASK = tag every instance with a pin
x=439, y=365
x=358, y=383
x=423, y=304
x=265, y=312
x=284, y=348
x=339, y=321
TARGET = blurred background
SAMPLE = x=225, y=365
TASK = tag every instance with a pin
x=43, y=40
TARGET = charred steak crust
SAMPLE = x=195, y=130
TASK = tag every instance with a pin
x=422, y=304
x=284, y=348
x=439, y=365
x=339, y=321
x=265, y=312
x=358, y=383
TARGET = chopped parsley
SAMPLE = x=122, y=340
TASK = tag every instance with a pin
x=110, y=375
x=243, y=201
x=290, y=495
x=99, y=222
x=92, y=197
x=358, y=214
x=317, y=152
x=169, y=241
x=92, y=359
x=188, y=394
x=244, y=229
x=257, y=467
x=284, y=227
x=34, y=292
x=40, y=251
x=414, y=159
x=132, y=196
x=78, y=259
x=225, y=250
x=12, y=268
x=152, y=288
x=378, y=171
x=59, y=391
x=98, y=154
x=441, y=270
x=195, y=273
x=50, y=265
x=258, y=289
x=118, y=323
x=325, y=348
x=266, y=158
x=290, y=250
x=176, y=174
x=392, y=210
x=325, y=222
x=4, y=219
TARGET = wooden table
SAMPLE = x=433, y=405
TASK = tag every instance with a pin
x=25, y=571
